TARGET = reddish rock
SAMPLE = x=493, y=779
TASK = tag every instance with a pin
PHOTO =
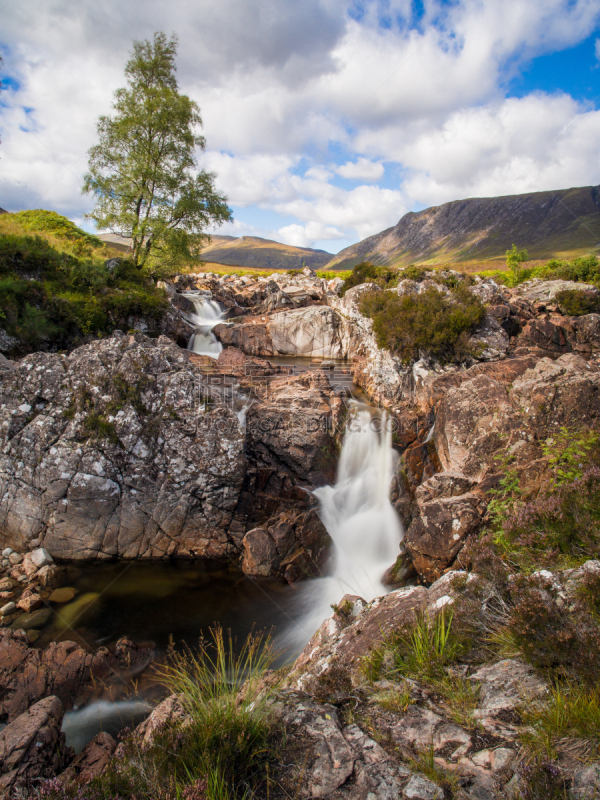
x=32, y=747
x=91, y=762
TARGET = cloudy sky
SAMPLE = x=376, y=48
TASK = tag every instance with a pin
x=325, y=120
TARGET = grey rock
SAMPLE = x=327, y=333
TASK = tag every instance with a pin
x=586, y=783
x=421, y=788
x=41, y=558
x=9, y=608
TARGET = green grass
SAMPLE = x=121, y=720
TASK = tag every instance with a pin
x=223, y=748
x=570, y=719
x=55, y=289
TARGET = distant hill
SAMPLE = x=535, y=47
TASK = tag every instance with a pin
x=560, y=223
x=252, y=251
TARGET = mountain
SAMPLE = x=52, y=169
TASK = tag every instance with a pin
x=564, y=222
x=252, y=251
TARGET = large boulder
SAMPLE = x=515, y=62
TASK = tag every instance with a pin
x=113, y=451
x=32, y=748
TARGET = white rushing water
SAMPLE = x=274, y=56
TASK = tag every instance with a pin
x=206, y=315
x=359, y=517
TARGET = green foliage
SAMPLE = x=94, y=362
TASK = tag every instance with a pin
x=329, y=275
x=514, y=259
x=369, y=273
x=585, y=269
x=51, y=298
x=569, y=453
x=571, y=712
x=427, y=648
x=39, y=220
x=575, y=302
x=143, y=171
x=430, y=323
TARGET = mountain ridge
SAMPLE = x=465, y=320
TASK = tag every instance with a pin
x=551, y=223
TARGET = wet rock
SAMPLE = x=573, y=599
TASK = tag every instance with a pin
x=33, y=619
x=294, y=426
x=296, y=547
x=63, y=595
x=32, y=747
x=29, y=602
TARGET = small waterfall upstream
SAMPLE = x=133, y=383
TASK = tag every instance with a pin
x=361, y=520
x=206, y=315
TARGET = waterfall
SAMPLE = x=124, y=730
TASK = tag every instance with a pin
x=363, y=524
x=206, y=315
x=356, y=510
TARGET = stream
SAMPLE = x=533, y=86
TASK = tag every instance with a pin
x=180, y=601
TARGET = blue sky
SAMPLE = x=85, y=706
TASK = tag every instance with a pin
x=325, y=120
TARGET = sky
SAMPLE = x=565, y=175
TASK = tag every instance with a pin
x=325, y=120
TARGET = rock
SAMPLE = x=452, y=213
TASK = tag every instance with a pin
x=7, y=609
x=586, y=783
x=8, y=343
x=49, y=576
x=505, y=686
x=295, y=546
x=490, y=341
x=314, y=331
x=15, y=558
x=41, y=558
x=436, y=536
x=62, y=595
x=28, y=566
x=169, y=711
x=118, y=457
x=91, y=762
x=29, y=602
x=62, y=669
x=540, y=291
x=294, y=427
x=420, y=728
x=32, y=747
x=421, y=788
x=6, y=552
x=34, y=619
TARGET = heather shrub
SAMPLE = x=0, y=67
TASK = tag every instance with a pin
x=552, y=638
x=576, y=302
x=369, y=273
x=432, y=323
x=555, y=530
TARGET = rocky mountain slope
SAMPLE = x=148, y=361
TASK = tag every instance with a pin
x=253, y=251
x=546, y=223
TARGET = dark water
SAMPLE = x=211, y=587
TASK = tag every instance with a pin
x=163, y=602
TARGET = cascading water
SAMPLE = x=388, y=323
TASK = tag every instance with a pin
x=361, y=521
x=206, y=315
x=357, y=512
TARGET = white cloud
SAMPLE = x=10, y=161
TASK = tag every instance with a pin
x=597, y=49
x=280, y=81
x=361, y=169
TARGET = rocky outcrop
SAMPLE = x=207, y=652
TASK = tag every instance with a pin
x=91, y=762
x=32, y=748
x=64, y=669
x=296, y=547
x=111, y=451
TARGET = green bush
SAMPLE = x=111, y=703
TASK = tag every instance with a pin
x=51, y=298
x=576, y=302
x=369, y=273
x=430, y=323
